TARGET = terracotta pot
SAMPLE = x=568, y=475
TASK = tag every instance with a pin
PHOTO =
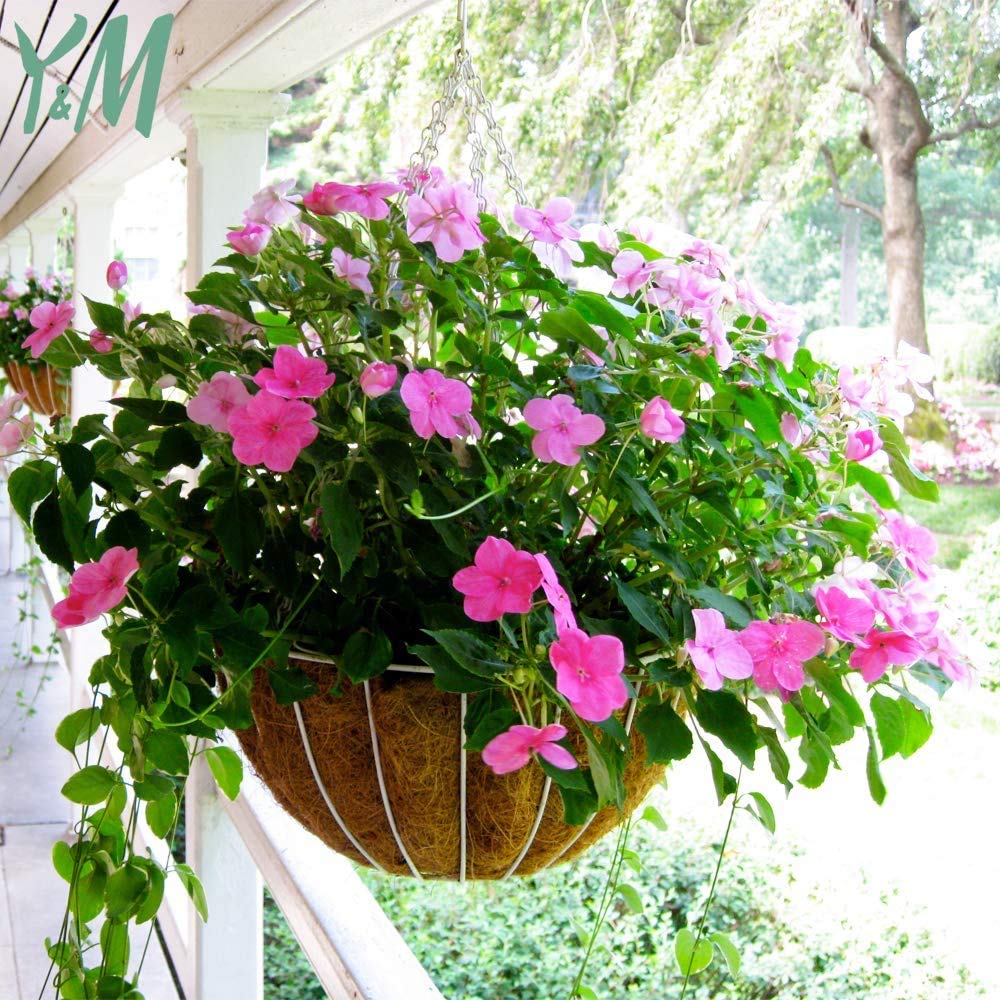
x=377, y=774
x=44, y=393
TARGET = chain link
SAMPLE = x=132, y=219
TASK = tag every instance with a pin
x=465, y=84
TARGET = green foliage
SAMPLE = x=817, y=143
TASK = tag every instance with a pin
x=19, y=294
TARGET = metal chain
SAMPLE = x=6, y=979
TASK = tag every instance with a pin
x=465, y=84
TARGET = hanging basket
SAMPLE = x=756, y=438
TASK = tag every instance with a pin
x=44, y=393
x=380, y=776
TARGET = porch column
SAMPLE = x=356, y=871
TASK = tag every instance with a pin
x=44, y=230
x=226, y=155
x=19, y=251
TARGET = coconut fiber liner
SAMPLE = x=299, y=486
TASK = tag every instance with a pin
x=419, y=734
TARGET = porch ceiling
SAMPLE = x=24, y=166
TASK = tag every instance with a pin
x=255, y=45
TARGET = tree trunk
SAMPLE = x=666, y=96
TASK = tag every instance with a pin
x=904, y=242
x=849, y=243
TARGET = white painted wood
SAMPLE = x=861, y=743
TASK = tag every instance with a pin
x=19, y=249
x=44, y=230
x=226, y=156
x=228, y=951
x=353, y=947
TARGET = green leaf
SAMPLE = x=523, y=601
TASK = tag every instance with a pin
x=667, y=737
x=366, y=655
x=470, y=653
x=47, y=528
x=652, y=816
x=693, y=956
x=194, y=888
x=725, y=783
x=239, y=526
x=78, y=464
x=161, y=813
x=728, y=951
x=90, y=785
x=125, y=890
x=177, y=447
x=291, y=685
x=776, y=756
x=567, y=324
x=902, y=727
x=764, y=811
x=722, y=714
x=77, y=728
x=227, y=768
x=644, y=610
x=911, y=479
x=107, y=318
x=155, y=412
x=154, y=896
x=342, y=522
x=28, y=484
x=62, y=860
x=631, y=896
x=736, y=612
x=448, y=675
x=872, y=483
x=759, y=412
x=875, y=783
x=817, y=760
x=167, y=752
x=115, y=949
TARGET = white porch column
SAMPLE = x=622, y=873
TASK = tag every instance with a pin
x=19, y=250
x=44, y=230
x=226, y=155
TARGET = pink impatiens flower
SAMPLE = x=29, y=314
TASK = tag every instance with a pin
x=15, y=433
x=779, y=649
x=793, y=431
x=548, y=225
x=50, y=320
x=217, y=400
x=500, y=581
x=588, y=673
x=249, y=240
x=511, y=750
x=632, y=272
x=96, y=587
x=353, y=270
x=271, y=431
x=562, y=429
x=715, y=651
x=101, y=342
x=555, y=594
x=447, y=216
x=660, y=421
x=271, y=205
x=914, y=544
x=295, y=376
x=862, y=444
x=116, y=275
x=877, y=650
x=439, y=404
x=366, y=200
x=378, y=379
x=844, y=617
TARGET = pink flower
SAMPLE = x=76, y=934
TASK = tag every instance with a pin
x=501, y=580
x=9, y=405
x=101, y=342
x=877, y=650
x=439, y=404
x=779, y=649
x=14, y=433
x=548, y=225
x=11, y=291
x=96, y=587
x=367, y=200
x=117, y=275
x=50, y=320
x=793, y=431
x=588, y=673
x=320, y=201
x=378, y=379
x=447, y=216
x=633, y=273
x=784, y=327
x=601, y=234
x=271, y=431
x=427, y=177
x=271, y=205
x=660, y=421
x=4, y=310
x=72, y=611
x=912, y=543
x=716, y=651
x=511, y=750
x=20, y=314
x=217, y=400
x=353, y=270
x=556, y=595
x=862, y=444
x=855, y=388
x=133, y=312
x=249, y=240
x=843, y=616
x=295, y=376
x=940, y=650
x=562, y=429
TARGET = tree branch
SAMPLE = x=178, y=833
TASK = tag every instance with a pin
x=845, y=200
x=921, y=133
x=682, y=13
x=973, y=124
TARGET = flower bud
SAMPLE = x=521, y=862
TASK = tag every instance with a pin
x=117, y=275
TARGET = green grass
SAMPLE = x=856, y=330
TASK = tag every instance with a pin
x=963, y=514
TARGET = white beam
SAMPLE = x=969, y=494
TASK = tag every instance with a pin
x=19, y=249
x=44, y=230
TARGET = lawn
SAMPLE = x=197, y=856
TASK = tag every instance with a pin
x=964, y=514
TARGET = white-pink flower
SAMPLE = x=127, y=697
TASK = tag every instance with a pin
x=439, y=404
x=216, y=400
x=249, y=240
x=353, y=270
x=447, y=217
x=660, y=421
x=550, y=224
x=271, y=205
x=378, y=379
x=715, y=651
x=562, y=429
